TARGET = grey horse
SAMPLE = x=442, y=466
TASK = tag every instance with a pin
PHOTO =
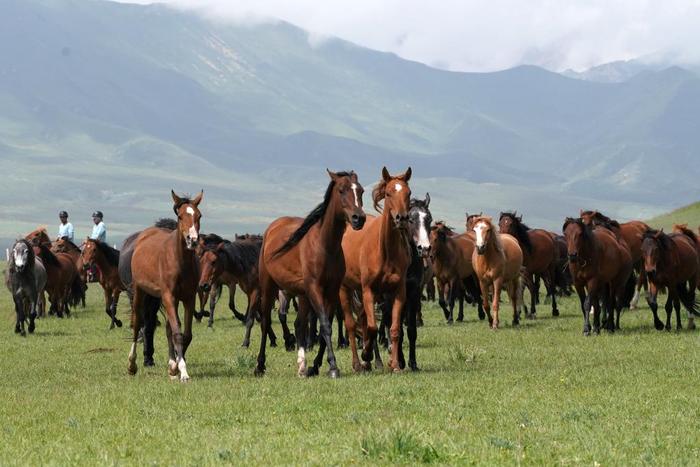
x=25, y=278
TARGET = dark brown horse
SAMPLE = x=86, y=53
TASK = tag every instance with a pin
x=672, y=261
x=303, y=257
x=540, y=256
x=106, y=258
x=377, y=261
x=601, y=268
x=452, y=262
x=631, y=232
x=164, y=266
x=237, y=263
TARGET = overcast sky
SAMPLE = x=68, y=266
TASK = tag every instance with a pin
x=488, y=35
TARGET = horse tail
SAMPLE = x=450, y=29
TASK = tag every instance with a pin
x=687, y=298
x=630, y=287
x=76, y=295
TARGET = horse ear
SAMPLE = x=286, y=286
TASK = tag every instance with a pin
x=198, y=199
x=220, y=246
x=407, y=175
x=427, y=200
x=385, y=174
x=332, y=175
x=176, y=199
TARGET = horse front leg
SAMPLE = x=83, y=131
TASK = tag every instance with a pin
x=669, y=305
x=136, y=317
x=370, y=326
x=214, y=296
x=496, y=301
x=116, y=292
x=176, y=337
x=654, y=306
x=19, y=311
x=289, y=340
x=395, y=331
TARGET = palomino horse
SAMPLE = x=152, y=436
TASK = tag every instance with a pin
x=164, y=266
x=540, y=256
x=106, y=258
x=63, y=284
x=632, y=233
x=601, y=267
x=25, y=278
x=377, y=261
x=671, y=261
x=497, y=260
x=303, y=257
x=452, y=262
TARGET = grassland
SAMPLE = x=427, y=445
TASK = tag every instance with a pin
x=689, y=214
x=539, y=394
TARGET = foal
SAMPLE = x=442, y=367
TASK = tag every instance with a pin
x=497, y=261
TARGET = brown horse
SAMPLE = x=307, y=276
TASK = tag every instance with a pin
x=601, y=268
x=470, y=221
x=540, y=256
x=672, y=261
x=497, y=261
x=164, y=266
x=106, y=258
x=452, y=263
x=632, y=233
x=63, y=245
x=377, y=262
x=39, y=236
x=63, y=284
x=303, y=258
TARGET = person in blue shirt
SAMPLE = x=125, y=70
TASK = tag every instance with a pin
x=99, y=231
x=66, y=228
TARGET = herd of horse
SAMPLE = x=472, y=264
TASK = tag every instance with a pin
x=341, y=263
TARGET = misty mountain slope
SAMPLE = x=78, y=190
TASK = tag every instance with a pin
x=114, y=100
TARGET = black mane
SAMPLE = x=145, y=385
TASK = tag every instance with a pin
x=110, y=254
x=314, y=217
x=244, y=254
x=166, y=223
x=521, y=230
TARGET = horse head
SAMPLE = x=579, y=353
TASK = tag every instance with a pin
x=507, y=222
x=188, y=217
x=485, y=234
x=349, y=193
x=22, y=255
x=210, y=266
x=470, y=218
x=576, y=232
x=420, y=220
x=394, y=190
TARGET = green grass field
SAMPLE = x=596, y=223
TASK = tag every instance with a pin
x=539, y=394
x=689, y=214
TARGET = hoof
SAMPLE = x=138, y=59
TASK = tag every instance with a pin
x=111, y=325
x=482, y=316
x=419, y=323
x=450, y=322
x=367, y=366
x=413, y=366
x=31, y=328
x=334, y=374
x=184, y=379
x=586, y=332
x=131, y=368
x=148, y=361
x=118, y=322
x=668, y=327
x=659, y=326
x=460, y=318
x=245, y=344
x=273, y=343
x=205, y=313
x=312, y=371
x=515, y=323
x=357, y=368
x=17, y=330
x=555, y=312
x=290, y=346
x=378, y=365
x=173, y=370
x=259, y=371
x=23, y=333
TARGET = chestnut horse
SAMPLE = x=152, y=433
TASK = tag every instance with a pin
x=452, y=263
x=497, y=260
x=377, y=262
x=164, y=266
x=631, y=232
x=106, y=258
x=63, y=284
x=540, y=256
x=601, y=268
x=671, y=261
x=63, y=245
x=303, y=258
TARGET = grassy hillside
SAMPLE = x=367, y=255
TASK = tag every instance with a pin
x=686, y=215
x=540, y=394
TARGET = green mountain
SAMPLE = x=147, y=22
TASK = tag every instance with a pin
x=689, y=214
x=107, y=106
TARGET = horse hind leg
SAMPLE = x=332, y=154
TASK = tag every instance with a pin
x=19, y=311
x=289, y=340
x=136, y=318
x=677, y=307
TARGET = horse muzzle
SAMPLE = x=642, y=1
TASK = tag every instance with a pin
x=206, y=287
x=357, y=221
x=190, y=242
x=424, y=252
x=573, y=257
x=401, y=221
x=480, y=250
x=651, y=273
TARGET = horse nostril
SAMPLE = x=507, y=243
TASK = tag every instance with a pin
x=355, y=218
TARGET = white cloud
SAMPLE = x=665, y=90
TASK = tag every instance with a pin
x=474, y=35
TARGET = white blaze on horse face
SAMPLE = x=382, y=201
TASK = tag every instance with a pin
x=479, y=230
x=423, y=241
x=19, y=259
x=398, y=187
x=190, y=211
x=354, y=192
